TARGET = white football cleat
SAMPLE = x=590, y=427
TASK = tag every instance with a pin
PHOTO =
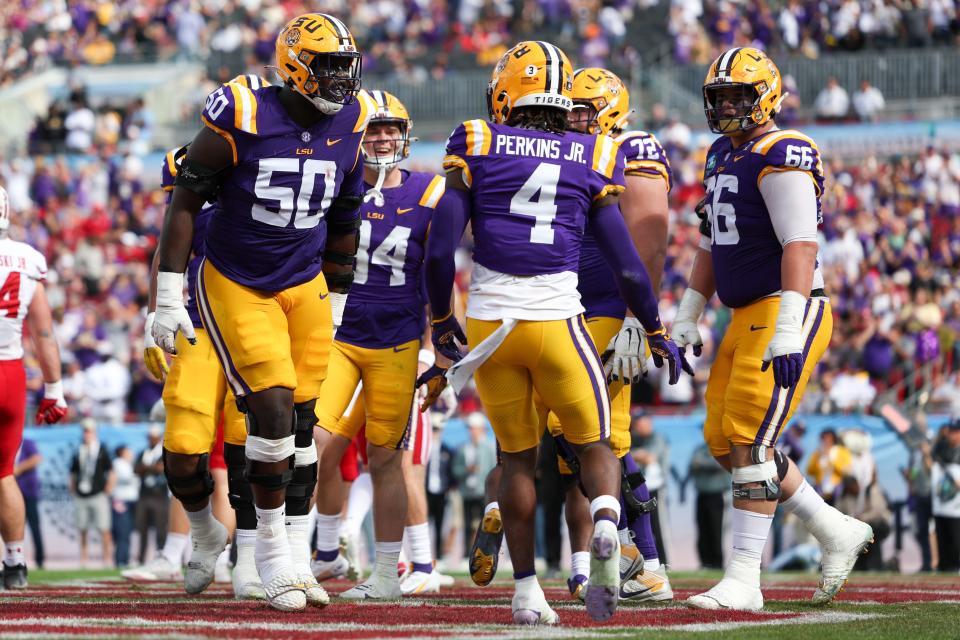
x=417, y=582
x=330, y=570
x=532, y=609
x=157, y=570
x=316, y=595
x=201, y=569
x=729, y=593
x=221, y=572
x=285, y=592
x=444, y=580
x=603, y=589
x=840, y=553
x=246, y=580
x=374, y=589
x=649, y=586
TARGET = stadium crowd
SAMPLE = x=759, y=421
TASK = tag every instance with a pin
x=419, y=39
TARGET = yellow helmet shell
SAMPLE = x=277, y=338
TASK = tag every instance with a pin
x=746, y=67
x=532, y=73
x=389, y=109
x=607, y=94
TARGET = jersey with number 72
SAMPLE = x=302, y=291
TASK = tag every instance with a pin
x=532, y=192
x=744, y=246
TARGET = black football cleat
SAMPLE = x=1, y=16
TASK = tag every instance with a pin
x=485, y=552
x=15, y=577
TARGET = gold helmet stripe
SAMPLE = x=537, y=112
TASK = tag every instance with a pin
x=338, y=26
x=725, y=65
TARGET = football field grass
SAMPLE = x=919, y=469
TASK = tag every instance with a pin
x=97, y=604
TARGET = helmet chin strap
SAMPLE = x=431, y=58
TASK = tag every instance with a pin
x=375, y=193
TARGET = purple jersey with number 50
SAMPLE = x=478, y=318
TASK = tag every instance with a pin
x=597, y=284
x=385, y=307
x=531, y=192
x=744, y=246
x=269, y=228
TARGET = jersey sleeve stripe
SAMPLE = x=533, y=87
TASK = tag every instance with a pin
x=431, y=196
x=451, y=162
x=648, y=169
x=171, y=161
x=478, y=138
x=767, y=143
x=609, y=190
x=225, y=135
x=604, y=156
x=768, y=170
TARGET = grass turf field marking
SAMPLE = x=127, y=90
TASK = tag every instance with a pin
x=823, y=617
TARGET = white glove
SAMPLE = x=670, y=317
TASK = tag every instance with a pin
x=171, y=316
x=685, y=330
x=338, y=302
x=627, y=359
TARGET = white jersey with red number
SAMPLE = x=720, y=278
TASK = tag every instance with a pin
x=21, y=268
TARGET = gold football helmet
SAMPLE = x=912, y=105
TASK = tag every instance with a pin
x=389, y=109
x=532, y=73
x=318, y=58
x=605, y=96
x=748, y=83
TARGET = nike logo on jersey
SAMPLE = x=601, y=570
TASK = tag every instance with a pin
x=737, y=158
x=399, y=349
x=400, y=212
x=755, y=328
x=331, y=142
x=323, y=296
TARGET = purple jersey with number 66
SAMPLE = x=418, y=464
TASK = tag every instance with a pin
x=269, y=228
x=531, y=192
x=385, y=307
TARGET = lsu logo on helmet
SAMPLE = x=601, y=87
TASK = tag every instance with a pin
x=531, y=74
x=605, y=94
x=388, y=110
x=748, y=82
x=318, y=58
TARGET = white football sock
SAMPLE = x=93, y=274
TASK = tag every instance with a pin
x=174, y=546
x=418, y=536
x=14, y=554
x=750, y=532
x=804, y=503
x=272, y=552
x=651, y=565
x=580, y=564
x=298, y=535
x=328, y=532
x=388, y=554
x=202, y=523
x=528, y=586
x=246, y=541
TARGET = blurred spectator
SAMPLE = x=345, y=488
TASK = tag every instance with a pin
x=945, y=478
x=123, y=501
x=828, y=464
x=80, y=124
x=867, y=504
x=712, y=483
x=868, y=102
x=438, y=484
x=28, y=478
x=651, y=452
x=920, y=500
x=152, y=508
x=106, y=384
x=471, y=464
x=832, y=102
x=91, y=481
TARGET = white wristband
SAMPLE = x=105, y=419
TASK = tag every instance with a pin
x=426, y=357
x=691, y=305
x=792, y=305
x=338, y=302
x=53, y=390
x=169, y=288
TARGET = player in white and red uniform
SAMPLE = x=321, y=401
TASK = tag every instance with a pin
x=23, y=271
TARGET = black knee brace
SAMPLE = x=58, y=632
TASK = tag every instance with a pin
x=300, y=489
x=305, y=419
x=782, y=462
x=241, y=496
x=194, y=488
x=270, y=481
x=634, y=506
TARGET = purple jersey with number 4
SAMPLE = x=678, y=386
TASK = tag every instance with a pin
x=385, y=307
x=531, y=192
x=745, y=249
x=168, y=175
x=270, y=228
x=597, y=284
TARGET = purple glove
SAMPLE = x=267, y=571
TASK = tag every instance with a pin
x=663, y=348
x=786, y=369
x=444, y=334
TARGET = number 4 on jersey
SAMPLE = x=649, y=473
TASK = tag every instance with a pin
x=542, y=184
x=10, y=295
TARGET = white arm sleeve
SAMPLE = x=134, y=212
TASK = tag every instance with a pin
x=792, y=203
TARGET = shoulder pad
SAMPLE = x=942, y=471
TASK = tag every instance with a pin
x=232, y=107
x=645, y=156
x=250, y=80
x=606, y=155
x=471, y=138
x=790, y=150
x=433, y=192
x=171, y=164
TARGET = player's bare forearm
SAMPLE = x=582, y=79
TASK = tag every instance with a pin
x=647, y=214
x=40, y=324
x=701, y=275
x=797, y=266
x=152, y=290
x=344, y=244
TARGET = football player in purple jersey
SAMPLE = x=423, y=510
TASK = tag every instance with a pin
x=759, y=254
x=283, y=165
x=601, y=104
x=377, y=345
x=528, y=186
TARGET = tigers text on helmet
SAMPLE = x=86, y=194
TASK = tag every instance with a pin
x=746, y=78
x=603, y=92
x=389, y=110
x=318, y=58
x=531, y=74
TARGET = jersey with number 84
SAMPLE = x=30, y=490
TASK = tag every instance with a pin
x=745, y=249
